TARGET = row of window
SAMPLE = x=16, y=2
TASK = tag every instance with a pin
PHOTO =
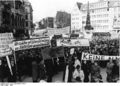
x=75, y=23
x=97, y=21
x=100, y=21
x=97, y=16
x=75, y=18
x=97, y=10
x=104, y=26
x=75, y=14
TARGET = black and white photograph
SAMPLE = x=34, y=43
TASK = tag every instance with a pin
x=59, y=41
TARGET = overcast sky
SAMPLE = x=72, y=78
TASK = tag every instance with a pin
x=48, y=8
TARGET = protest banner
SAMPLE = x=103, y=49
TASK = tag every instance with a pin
x=49, y=53
x=45, y=53
x=73, y=42
x=6, y=39
x=87, y=56
x=5, y=52
x=31, y=43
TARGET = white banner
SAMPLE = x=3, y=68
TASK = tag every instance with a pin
x=6, y=39
x=5, y=52
x=87, y=56
x=73, y=42
x=32, y=43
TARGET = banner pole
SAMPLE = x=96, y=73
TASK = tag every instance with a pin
x=16, y=69
x=119, y=54
x=9, y=65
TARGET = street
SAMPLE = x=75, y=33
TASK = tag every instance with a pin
x=58, y=78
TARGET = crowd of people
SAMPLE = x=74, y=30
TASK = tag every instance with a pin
x=90, y=71
x=31, y=63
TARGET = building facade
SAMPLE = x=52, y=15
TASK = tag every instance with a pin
x=29, y=17
x=103, y=14
x=76, y=18
x=47, y=23
x=12, y=18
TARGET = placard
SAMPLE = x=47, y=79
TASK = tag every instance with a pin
x=6, y=39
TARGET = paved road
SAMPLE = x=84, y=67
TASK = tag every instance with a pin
x=58, y=78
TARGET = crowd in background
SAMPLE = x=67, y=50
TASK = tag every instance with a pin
x=107, y=47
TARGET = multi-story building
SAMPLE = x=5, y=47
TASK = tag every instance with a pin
x=76, y=19
x=12, y=18
x=47, y=23
x=28, y=16
x=103, y=14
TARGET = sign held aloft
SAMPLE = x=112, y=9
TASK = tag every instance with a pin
x=87, y=56
x=31, y=43
x=73, y=42
x=6, y=39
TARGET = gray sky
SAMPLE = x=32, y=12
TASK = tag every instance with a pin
x=48, y=8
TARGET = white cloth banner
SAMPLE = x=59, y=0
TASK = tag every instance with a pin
x=73, y=42
x=6, y=39
x=31, y=43
x=5, y=52
x=87, y=56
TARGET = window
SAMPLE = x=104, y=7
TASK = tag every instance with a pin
x=26, y=17
x=26, y=24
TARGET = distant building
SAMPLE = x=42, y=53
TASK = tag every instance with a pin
x=29, y=16
x=76, y=18
x=103, y=14
x=46, y=23
x=50, y=22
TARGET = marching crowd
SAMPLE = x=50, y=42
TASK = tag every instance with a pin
x=31, y=63
x=90, y=71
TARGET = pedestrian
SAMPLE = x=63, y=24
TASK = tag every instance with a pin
x=76, y=62
x=34, y=70
x=86, y=70
x=78, y=74
x=1, y=71
x=115, y=72
x=49, y=69
x=42, y=72
x=95, y=73
x=71, y=69
x=110, y=65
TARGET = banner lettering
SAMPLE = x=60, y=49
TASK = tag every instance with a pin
x=32, y=43
x=87, y=56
